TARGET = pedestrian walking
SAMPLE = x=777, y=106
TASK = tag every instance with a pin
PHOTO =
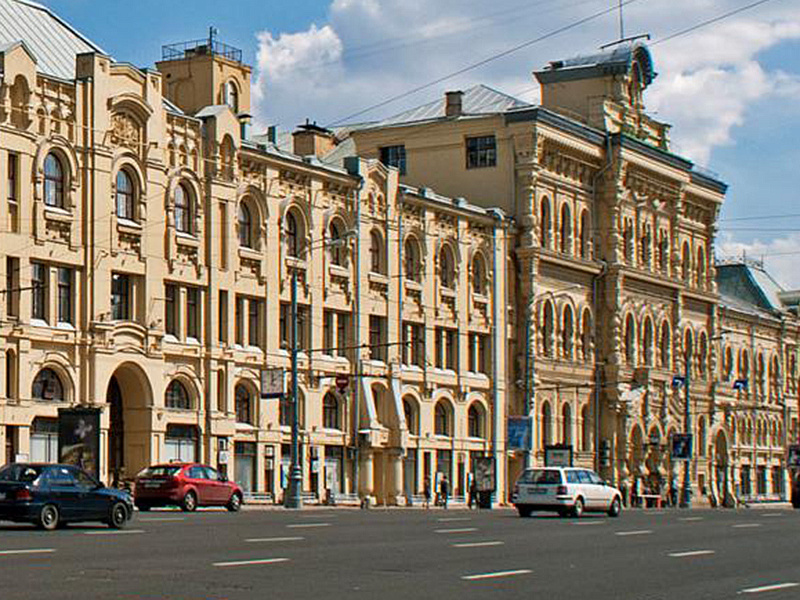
x=444, y=491
x=426, y=492
x=473, y=493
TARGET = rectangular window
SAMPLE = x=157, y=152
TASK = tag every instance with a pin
x=414, y=344
x=120, y=297
x=286, y=325
x=65, y=295
x=223, y=316
x=254, y=322
x=239, y=320
x=193, y=313
x=451, y=340
x=13, y=192
x=377, y=338
x=342, y=334
x=39, y=294
x=303, y=327
x=484, y=354
x=12, y=286
x=394, y=156
x=473, y=353
x=171, y=309
x=329, y=332
x=439, y=347
x=481, y=152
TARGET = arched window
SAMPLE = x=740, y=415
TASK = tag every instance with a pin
x=586, y=430
x=727, y=364
x=54, y=181
x=688, y=347
x=586, y=335
x=232, y=96
x=376, y=253
x=447, y=267
x=412, y=259
x=442, y=420
x=177, y=396
x=663, y=252
x=585, y=234
x=545, y=225
x=566, y=424
x=475, y=421
x=335, y=249
x=548, y=327
x=686, y=262
x=744, y=365
x=645, y=248
x=331, y=419
x=627, y=241
x=410, y=412
x=285, y=411
x=125, y=195
x=666, y=346
x=244, y=405
x=184, y=209
x=701, y=268
x=647, y=343
x=47, y=386
x=547, y=424
x=566, y=229
x=245, y=226
x=702, y=355
x=630, y=340
x=478, y=274
x=295, y=235
x=567, y=333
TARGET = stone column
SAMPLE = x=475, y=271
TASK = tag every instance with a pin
x=366, y=485
x=394, y=492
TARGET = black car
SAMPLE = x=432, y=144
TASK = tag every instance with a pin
x=50, y=495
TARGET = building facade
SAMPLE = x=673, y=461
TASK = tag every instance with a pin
x=566, y=274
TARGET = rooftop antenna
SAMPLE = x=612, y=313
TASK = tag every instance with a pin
x=621, y=22
x=212, y=34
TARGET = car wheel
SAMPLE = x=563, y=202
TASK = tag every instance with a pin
x=235, y=503
x=48, y=517
x=524, y=511
x=577, y=508
x=143, y=507
x=189, y=503
x=118, y=516
x=616, y=507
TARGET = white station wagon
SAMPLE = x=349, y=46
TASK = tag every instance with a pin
x=565, y=490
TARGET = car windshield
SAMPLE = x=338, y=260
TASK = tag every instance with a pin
x=164, y=471
x=541, y=476
x=23, y=473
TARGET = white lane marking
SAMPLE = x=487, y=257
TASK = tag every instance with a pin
x=746, y=525
x=770, y=588
x=496, y=574
x=115, y=532
x=478, y=544
x=690, y=519
x=690, y=553
x=162, y=519
x=461, y=530
x=638, y=532
x=307, y=525
x=453, y=519
x=27, y=551
x=588, y=524
x=243, y=563
x=275, y=539
x=772, y=515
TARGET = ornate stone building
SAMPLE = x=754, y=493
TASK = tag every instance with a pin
x=615, y=286
x=148, y=249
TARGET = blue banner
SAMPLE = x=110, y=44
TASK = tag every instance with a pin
x=519, y=433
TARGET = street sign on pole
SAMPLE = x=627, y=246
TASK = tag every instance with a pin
x=342, y=381
x=273, y=383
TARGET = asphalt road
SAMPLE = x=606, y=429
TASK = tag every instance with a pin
x=387, y=554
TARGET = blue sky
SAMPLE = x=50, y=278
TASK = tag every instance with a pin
x=731, y=90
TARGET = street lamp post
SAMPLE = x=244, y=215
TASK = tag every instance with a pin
x=294, y=498
x=686, y=492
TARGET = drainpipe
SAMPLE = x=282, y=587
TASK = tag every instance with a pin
x=498, y=423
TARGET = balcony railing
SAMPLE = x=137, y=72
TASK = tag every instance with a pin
x=202, y=47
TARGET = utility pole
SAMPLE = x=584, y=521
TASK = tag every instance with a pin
x=294, y=498
x=686, y=492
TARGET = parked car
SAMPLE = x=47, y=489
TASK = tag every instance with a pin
x=565, y=491
x=52, y=495
x=187, y=485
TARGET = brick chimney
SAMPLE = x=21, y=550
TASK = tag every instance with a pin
x=453, y=103
x=311, y=139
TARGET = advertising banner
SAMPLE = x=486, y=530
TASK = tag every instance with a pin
x=519, y=433
x=79, y=438
x=558, y=456
x=485, y=480
x=793, y=459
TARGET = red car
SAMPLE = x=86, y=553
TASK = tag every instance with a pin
x=187, y=485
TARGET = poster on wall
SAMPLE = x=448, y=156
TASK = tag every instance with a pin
x=794, y=456
x=79, y=438
x=484, y=473
x=558, y=456
x=519, y=433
